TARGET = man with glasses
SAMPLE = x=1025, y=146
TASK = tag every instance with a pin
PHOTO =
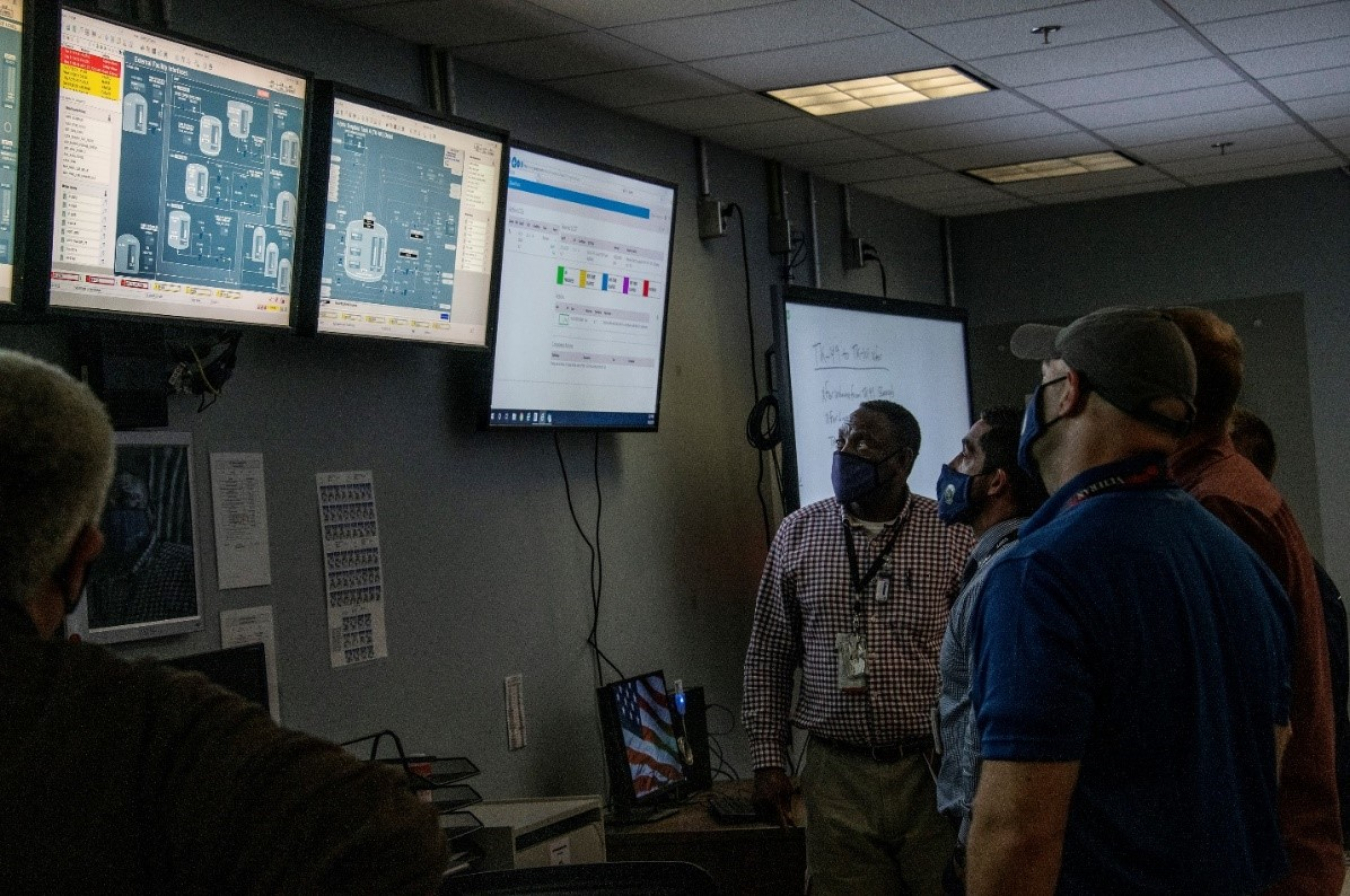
x=855, y=594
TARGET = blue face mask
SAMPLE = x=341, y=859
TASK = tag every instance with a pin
x=126, y=531
x=1032, y=429
x=953, y=495
x=854, y=477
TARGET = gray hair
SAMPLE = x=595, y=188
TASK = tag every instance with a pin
x=56, y=463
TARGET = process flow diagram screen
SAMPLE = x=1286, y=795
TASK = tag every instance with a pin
x=178, y=178
x=410, y=229
x=582, y=315
x=11, y=64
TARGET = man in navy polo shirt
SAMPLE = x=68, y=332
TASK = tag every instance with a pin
x=1131, y=655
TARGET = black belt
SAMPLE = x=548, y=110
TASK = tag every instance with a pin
x=910, y=746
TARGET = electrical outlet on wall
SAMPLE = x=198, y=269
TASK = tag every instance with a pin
x=515, y=712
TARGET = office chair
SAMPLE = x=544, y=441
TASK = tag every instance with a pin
x=613, y=878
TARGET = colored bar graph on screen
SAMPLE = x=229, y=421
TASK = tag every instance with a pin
x=607, y=282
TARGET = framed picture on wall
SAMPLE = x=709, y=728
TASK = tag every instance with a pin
x=145, y=584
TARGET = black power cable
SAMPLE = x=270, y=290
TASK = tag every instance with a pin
x=870, y=254
x=597, y=566
x=754, y=376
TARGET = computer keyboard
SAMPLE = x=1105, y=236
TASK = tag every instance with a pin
x=732, y=809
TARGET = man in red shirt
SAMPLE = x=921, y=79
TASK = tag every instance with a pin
x=1226, y=484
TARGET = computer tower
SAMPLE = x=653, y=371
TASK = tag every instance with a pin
x=693, y=727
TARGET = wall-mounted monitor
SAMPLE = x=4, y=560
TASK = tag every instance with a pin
x=581, y=324
x=836, y=350
x=29, y=35
x=412, y=226
x=642, y=754
x=178, y=178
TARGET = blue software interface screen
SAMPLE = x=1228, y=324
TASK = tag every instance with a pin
x=11, y=64
x=412, y=215
x=582, y=313
x=178, y=171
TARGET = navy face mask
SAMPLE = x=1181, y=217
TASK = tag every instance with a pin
x=1033, y=428
x=953, y=495
x=854, y=477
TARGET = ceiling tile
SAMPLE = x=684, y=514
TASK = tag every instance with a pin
x=838, y=60
x=975, y=107
x=973, y=133
x=1080, y=23
x=1343, y=144
x=765, y=134
x=920, y=13
x=714, y=112
x=457, y=23
x=1282, y=28
x=754, y=30
x=613, y=13
x=1166, y=105
x=1195, y=126
x=1334, y=127
x=1128, y=85
x=1294, y=59
x=632, y=87
x=1199, y=11
x=1220, y=177
x=1103, y=183
x=946, y=182
x=1309, y=150
x=1015, y=151
x=564, y=56
x=1203, y=147
x=1310, y=84
x=1321, y=107
x=827, y=152
x=1060, y=63
x=875, y=169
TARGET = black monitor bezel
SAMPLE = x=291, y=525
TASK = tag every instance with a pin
x=489, y=372
x=315, y=215
x=39, y=89
x=39, y=301
x=780, y=296
x=622, y=795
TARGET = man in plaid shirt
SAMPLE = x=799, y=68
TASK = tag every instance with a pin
x=856, y=593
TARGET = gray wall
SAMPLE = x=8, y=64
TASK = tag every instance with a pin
x=485, y=575
x=1266, y=243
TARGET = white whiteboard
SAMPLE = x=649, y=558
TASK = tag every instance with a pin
x=835, y=358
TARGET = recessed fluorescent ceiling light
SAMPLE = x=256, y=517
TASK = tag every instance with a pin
x=883, y=90
x=1097, y=161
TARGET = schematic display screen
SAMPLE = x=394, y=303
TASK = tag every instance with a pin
x=11, y=64
x=410, y=228
x=178, y=176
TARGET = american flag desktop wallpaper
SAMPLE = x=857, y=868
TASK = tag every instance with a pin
x=648, y=733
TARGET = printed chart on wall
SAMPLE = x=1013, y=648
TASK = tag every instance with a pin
x=353, y=578
x=843, y=350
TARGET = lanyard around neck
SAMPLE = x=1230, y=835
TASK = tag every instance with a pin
x=861, y=582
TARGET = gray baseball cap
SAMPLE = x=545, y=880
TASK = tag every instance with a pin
x=1130, y=356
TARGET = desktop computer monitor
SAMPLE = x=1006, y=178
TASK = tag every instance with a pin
x=242, y=670
x=412, y=226
x=641, y=753
x=178, y=178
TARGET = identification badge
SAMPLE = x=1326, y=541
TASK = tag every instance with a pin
x=851, y=654
x=883, y=588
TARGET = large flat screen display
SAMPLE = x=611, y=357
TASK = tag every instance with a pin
x=837, y=350
x=585, y=287
x=178, y=178
x=12, y=70
x=412, y=232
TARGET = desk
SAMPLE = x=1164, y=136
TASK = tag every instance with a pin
x=744, y=859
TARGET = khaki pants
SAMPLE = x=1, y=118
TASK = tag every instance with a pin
x=872, y=828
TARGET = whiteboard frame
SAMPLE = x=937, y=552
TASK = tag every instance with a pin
x=781, y=296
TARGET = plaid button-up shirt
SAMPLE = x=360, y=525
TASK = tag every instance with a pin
x=806, y=598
